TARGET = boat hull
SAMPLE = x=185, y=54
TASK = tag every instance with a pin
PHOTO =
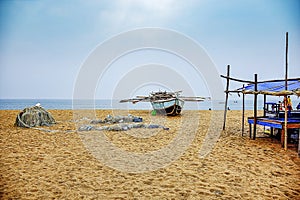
x=170, y=107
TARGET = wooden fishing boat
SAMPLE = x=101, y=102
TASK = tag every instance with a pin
x=172, y=106
x=166, y=103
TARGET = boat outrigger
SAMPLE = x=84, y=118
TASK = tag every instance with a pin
x=167, y=103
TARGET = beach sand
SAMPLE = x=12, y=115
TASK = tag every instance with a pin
x=37, y=164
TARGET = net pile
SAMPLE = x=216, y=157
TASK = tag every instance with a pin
x=34, y=116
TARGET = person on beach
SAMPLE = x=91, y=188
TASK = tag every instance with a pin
x=280, y=105
x=288, y=102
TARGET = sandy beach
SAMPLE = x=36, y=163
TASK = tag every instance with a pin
x=37, y=164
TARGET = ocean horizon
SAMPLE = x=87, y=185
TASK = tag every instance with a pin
x=105, y=104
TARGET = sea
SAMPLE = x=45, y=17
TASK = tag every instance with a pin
x=106, y=104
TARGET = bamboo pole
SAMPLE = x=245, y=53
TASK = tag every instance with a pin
x=279, y=80
x=255, y=107
x=284, y=132
x=286, y=87
x=243, y=118
x=299, y=144
x=235, y=79
x=226, y=100
x=265, y=112
x=265, y=99
x=252, y=82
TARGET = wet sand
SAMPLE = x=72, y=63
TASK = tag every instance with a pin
x=56, y=165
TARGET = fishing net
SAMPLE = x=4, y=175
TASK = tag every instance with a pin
x=34, y=116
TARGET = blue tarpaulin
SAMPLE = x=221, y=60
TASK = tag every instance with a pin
x=275, y=87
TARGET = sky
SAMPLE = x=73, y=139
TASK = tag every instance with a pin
x=44, y=44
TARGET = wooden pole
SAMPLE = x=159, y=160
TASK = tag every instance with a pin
x=299, y=143
x=243, y=118
x=255, y=106
x=265, y=99
x=264, y=111
x=286, y=59
x=226, y=100
x=266, y=81
x=238, y=80
x=286, y=87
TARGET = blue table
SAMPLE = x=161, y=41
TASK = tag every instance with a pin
x=292, y=123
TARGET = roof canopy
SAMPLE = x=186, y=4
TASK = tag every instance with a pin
x=276, y=87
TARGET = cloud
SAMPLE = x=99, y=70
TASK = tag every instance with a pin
x=133, y=13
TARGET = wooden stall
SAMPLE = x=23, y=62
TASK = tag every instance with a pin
x=284, y=88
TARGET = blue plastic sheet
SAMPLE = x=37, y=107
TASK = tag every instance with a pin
x=275, y=86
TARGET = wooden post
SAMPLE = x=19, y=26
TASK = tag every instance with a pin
x=286, y=59
x=264, y=111
x=286, y=88
x=299, y=142
x=255, y=106
x=265, y=99
x=243, y=118
x=282, y=137
x=250, y=130
x=226, y=100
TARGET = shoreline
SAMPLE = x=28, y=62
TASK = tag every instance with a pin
x=38, y=165
x=130, y=110
x=66, y=104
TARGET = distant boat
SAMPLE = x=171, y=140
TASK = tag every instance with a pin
x=167, y=103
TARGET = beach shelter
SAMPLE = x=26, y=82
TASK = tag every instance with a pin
x=271, y=87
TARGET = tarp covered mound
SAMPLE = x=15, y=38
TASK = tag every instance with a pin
x=34, y=116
